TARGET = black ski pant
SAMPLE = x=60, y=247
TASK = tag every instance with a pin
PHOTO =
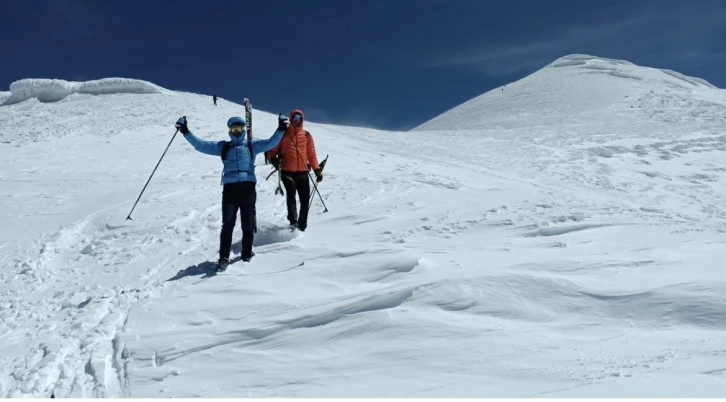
x=238, y=197
x=297, y=182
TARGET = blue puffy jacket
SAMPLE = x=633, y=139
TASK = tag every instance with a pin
x=238, y=166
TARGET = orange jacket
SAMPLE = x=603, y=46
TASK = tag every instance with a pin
x=296, y=149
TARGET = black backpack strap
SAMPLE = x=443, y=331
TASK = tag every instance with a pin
x=227, y=145
x=225, y=149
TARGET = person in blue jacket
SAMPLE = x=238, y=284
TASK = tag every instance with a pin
x=238, y=179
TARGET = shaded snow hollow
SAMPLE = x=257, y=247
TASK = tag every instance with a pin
x=54, y=90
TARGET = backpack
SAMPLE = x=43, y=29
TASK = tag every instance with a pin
x=228, y=144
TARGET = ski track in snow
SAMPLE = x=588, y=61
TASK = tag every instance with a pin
x=574, y=258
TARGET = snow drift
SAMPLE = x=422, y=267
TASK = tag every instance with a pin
x=54, y=90
x=552, y=252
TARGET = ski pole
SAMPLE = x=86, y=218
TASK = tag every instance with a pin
x=152, y=173
x=312, y=198
x=315, y=190
x=312, y=194
x=279, y=189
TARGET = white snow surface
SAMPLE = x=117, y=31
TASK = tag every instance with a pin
x=53, y=90
x=568, y=257
x=591, y=91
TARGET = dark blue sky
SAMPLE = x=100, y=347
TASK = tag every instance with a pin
x=377, y=63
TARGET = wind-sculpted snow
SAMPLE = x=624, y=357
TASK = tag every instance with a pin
x=54, y=90
x=583, y=59
x=697, y=82
x=549, y=250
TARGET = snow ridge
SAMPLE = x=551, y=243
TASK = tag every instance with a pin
x=611, y=65
x=54, y=90
x=582, y=59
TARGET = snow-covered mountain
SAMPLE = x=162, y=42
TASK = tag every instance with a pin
x=578, y=90
x=544, y=240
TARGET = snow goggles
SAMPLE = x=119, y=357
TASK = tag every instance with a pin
x=236, y=128
x=297, y=118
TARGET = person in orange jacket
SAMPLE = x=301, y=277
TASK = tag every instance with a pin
x=294, y=157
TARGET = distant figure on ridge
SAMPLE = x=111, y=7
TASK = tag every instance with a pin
x=238, y=179
x=293, y=158
x=214, y=98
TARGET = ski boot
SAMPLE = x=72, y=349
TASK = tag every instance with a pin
x=248, y=259
x=222, y=264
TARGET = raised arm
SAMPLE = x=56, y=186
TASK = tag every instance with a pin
x=272, y=144
x=205, y=147
x=260, y=146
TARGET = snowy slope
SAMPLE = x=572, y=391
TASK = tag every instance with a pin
x=73, y=102
x=602, y=94
x=553, y=259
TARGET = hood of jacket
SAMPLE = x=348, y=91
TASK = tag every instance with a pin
x=242, y=137
x=297, y=111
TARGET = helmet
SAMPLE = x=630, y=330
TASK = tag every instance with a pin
x=236, y=120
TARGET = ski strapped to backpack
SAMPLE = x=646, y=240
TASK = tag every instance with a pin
x=248, y=116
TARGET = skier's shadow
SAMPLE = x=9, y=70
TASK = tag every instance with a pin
x=207, y=269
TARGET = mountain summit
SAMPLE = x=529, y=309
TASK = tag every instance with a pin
x=578, y=89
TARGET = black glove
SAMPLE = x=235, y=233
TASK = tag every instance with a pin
x=318, y=175
x=181, y=124
x=275, y=162
x=282, y=122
